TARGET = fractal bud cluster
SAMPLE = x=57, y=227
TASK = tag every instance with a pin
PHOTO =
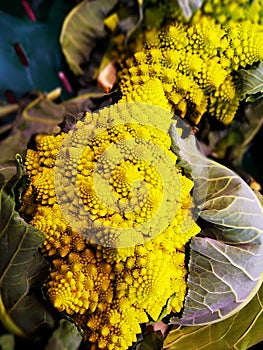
x=193, y=69
x=108, y=285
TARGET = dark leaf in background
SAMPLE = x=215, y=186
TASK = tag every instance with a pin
x=30, y=53
x=40, y=8
x=252, y=161
x=233, y=145
x=152, y=341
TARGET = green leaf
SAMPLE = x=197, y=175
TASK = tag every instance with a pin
x=65, y=337
x=226, y=260
x=22, y=268
x=7, y=342
x=252, y=80
x=238, y=332
x=190, y=6
x=82, y=29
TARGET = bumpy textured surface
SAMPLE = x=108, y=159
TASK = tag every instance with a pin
x=230, y=12
x=193, y=70
x=222, y=11
x=109, y=291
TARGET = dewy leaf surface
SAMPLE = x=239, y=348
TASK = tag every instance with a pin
x=252, y=80
x=226, y=260
x=82, y=28
x=22, y=268
x=238, y=332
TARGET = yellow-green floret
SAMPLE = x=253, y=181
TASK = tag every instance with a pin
x=230, y=12
x=109, y=290
x=193, y=69
x=222, y=11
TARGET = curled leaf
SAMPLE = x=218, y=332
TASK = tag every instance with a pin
x=226, y=260
x=81, y=30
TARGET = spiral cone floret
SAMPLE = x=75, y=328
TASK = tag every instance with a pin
x=109, y=290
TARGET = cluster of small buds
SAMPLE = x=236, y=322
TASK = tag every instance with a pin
x=192, y=69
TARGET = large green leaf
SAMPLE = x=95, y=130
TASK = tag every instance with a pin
x=82, y=29
x=239, y=332
x=22, y=268
x=226, y=260
x=252, y=80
